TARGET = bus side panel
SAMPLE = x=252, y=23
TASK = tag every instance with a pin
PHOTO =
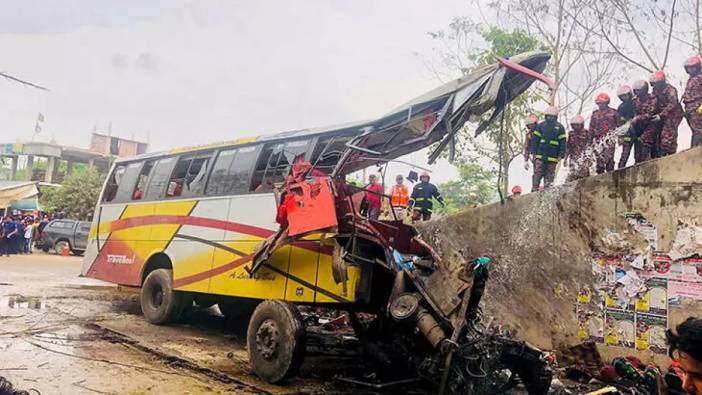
x=302, y=271
x=233, y=279
x=105, y=214
x=192, y=248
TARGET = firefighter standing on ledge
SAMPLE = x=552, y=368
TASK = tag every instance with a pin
x=548, y=146
x=420, y=203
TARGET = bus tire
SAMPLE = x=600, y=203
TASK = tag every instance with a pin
x=276, y=340
x=159, y=302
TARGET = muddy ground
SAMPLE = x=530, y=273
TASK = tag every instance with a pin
x=62, y=334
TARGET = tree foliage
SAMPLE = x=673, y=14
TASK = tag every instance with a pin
x=77, y=197
x=475, y=186
x=496, y=43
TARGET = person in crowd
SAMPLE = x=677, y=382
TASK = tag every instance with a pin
x=692, y=99
x=531, y=122
x=602, y=122
x=374, y=197
x=645, y=121
x=18, y=237
x=548, y=146
x=626, y=113
x=399, y=197
x=685, y=348
x=9, y=230
x=421, y=201
x=28, y=235
x=670, y=112
x=579, y=139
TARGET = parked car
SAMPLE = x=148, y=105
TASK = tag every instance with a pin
x=60, y=232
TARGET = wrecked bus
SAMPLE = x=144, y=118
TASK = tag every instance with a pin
x=262, y=225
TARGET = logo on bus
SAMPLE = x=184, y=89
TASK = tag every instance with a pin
x=120, y=259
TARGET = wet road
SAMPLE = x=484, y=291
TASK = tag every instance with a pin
x=62, y=334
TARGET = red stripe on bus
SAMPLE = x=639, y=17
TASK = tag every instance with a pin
x=181, y=282
x=132, y=222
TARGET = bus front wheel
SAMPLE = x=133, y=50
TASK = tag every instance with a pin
x=159, y=302
x=276, y=340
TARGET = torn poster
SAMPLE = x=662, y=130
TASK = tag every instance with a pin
x=644, y=227
x=619, y=328
x=655, y=298
x=650, y=333
x=679, y=289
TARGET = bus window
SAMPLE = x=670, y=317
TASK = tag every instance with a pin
x=333, y=148
x=240, y=170
x=159, y=178
x=113, y=184
x=189, y=176
x=126, y=185
x=220, y=182
x=232, y=170
x=141, y=181
x=277, y=165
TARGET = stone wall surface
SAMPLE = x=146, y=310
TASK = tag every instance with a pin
x=543, y=246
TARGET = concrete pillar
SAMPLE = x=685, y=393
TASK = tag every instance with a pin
x=50, y=167
x=13, y=167
x=69, y=167
x=30, y=167
x=91, y=163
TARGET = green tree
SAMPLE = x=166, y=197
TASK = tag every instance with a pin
x=77, y=197
x=475, y=185
x=510, y=134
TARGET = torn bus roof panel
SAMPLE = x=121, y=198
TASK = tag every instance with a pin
x=439, y=114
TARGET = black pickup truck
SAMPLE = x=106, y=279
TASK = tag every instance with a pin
x=61, y=231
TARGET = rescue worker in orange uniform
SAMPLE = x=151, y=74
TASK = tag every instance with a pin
x=603, y=121
x=692, y=98
x=399, y=197
x=579, y=139
x=670, y=112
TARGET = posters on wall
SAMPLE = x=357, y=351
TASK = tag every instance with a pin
x=650, y=333
x=619, y=328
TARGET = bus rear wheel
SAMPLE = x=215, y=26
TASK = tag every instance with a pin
x=276, y=340
x=159, y=302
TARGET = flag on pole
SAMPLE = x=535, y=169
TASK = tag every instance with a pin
x=40, y=117
x=37, y=128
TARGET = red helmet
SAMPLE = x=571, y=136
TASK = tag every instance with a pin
x=658, y=76
x=577, y=120
x=693, y=61
x=532, y=119
x=553, y=111
x=624, y=90
x=516, y=189
x=602, y=98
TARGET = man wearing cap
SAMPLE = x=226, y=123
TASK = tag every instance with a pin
x=645, y=121
x=399, y=197
x=603, y=121
x=626, y=113
x=670, y=112
x=692, y=99
x=579, y=139
x=548, y=146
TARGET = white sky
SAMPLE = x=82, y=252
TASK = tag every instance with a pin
x=178, y=72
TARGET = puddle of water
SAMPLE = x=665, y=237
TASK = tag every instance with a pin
x=20, y=302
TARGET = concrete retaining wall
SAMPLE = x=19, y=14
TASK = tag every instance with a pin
x=543, y=245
